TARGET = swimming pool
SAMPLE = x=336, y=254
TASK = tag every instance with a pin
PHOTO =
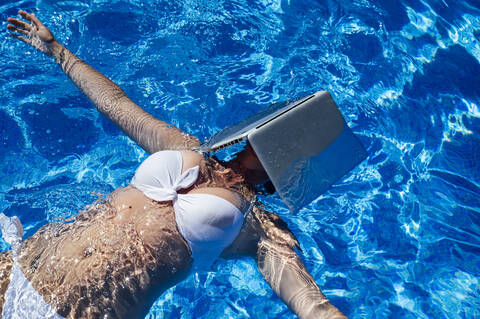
x=399, y=237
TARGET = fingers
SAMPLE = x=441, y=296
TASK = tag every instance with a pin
x=22, y=27
x=20, y=23
x=16, y=36
x=35, y=21
x=30, y=17
x=15, y=29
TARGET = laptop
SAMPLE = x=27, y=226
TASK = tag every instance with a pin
x=304, y=146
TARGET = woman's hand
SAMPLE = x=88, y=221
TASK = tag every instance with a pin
x=34, y=33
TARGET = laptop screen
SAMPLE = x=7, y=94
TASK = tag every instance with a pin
x=238, y=132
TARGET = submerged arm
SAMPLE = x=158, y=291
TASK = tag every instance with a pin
x=150, y=133
x=284, y=271
x=267, y=237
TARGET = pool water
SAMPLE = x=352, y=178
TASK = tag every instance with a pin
x=398, y=237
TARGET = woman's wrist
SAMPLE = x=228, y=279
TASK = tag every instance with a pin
x=57, y=50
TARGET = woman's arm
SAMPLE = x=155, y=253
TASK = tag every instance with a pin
x=265, y=236
x=147, y=131
x=284, y=271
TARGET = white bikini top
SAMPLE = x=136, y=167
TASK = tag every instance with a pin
x=207, y=222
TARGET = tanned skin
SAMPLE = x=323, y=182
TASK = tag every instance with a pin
x=154, y=255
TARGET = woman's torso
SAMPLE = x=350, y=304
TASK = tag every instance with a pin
x=120, y=254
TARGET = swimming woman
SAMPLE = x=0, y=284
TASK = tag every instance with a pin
x=179, y=213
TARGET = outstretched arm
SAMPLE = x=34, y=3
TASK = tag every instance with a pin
x=267, y=237
x=284, y=271
x=147, y=131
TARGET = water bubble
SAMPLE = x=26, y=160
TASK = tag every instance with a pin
x=398, y=178
x=87, y=252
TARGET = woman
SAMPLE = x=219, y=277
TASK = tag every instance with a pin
x=180, y=212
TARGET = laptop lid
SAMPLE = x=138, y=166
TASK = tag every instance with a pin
x=239, y=132
x=304, y=146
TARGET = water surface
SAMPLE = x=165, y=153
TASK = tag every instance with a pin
x=399, y=237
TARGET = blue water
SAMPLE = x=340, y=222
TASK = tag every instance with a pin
x=399, y=237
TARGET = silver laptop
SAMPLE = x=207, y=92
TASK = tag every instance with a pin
x=304, y=146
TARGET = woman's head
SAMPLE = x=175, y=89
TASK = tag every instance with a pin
x=247, y=163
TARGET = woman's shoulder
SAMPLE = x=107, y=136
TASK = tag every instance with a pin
x=190, y=159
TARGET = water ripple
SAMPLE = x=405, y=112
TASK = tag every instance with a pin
x=399, y=237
